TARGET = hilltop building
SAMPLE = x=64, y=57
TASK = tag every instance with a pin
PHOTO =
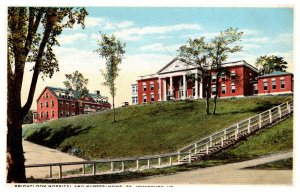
x=56, y=103
x=177, y=81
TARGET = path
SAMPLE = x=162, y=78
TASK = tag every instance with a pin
x=37, y=154
x=228, y=174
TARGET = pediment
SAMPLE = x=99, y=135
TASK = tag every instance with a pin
x=173, y=66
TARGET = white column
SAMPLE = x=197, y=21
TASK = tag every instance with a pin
x=201, y=88
x=184, y=86
x=159, y=90
x=165, y=90
x=171, y=86
x=196, y=86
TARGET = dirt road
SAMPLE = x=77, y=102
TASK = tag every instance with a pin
x=228, y=174
x=37, y=154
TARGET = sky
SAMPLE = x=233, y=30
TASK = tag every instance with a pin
x=153, y=36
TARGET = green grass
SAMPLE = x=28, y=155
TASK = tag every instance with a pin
x=144, y=129
x=286, y=164
x=277, y=139
x=266, y=142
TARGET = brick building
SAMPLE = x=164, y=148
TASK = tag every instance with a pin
x=56, y=103
x=176, y=81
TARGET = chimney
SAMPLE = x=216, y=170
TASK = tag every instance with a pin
x=98, y=92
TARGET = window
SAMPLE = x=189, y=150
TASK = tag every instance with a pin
x=144, y=86
x=232, y=75
x=151, y=86
x=52, y=103
x=213, y=90
x=152, y=97
x=73, y=105
x=60, y=113
x=265, y=85
x=67, y=113
x=47, y=114
x=41, y=115
x=134, y=100
x=60, y=103
x=41, y=105
x=46, y=95
x=223, y=76
x=144, y=98
x=134, y=89
x=194, y=92
x=214, y=78
x=80, y=105
x=274, y=83
x=87, y=106
x=232, y=88
x=52, y=113
x=67, y=104
x=92, y=107
x=282, y=83
x=223, y=89
x=46, y=104
x=255, y=89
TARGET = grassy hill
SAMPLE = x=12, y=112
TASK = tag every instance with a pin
x=144, y=129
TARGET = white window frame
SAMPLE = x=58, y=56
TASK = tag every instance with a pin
x=282, y=80
x=266, y=85
x=273, y=81
x=233, y=87
x=223, y=86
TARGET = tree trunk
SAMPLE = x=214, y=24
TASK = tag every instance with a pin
x=114, y=109
x=207, y=87
x=216, y=96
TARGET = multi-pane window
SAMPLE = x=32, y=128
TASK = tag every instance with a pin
x=60, y=113
x=213, y=90
x=265, y=85
x=282, y=83
x=52, y=103
x=134, y=89
x=46, y=95
x=223, y=89
x=47, y=114
x=41, y=105
x=67, y=104
x=46, y=104
x=52, y=113
x=274, y=83
x=233, y=88
x=223, y=76
x=151, y=86
x=41, y=115
x=144, y=99
x=144, y=86
x=255, y=89
x=152, y=97
x=73, y=105
x=67, y=113
x=134, y=100
x=232, y=75
x=80, y=105
x=214, y=78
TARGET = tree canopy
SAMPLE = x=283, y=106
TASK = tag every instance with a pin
x=77, y=83
x=269, y=64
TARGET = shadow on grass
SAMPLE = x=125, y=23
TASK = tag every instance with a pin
x=54, y=137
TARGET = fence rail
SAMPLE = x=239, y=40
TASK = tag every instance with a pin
x=232, y=132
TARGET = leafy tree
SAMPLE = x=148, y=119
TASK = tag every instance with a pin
x=32, y=33
x=77, y=83
x=28, y=119
x=112, y=50
x=269, y=64
x=195, y=53
x=219, y=49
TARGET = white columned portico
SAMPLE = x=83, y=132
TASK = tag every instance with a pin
x=184, y=86
x=165, y=89
x=171, y=86
x=196, y=86
x=201, y=88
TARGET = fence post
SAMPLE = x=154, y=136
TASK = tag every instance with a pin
x=207, y=149
x=259, y=121
x=123, y=167
x=137, y=165
x=196, y=148
x=159, y=161
x=190, y=158
x=249, y=126
x=279, y=111
x=270, y=116
x=288, y=107
x=83, y=168
x=178, y=157
x=50, y=172
x=236, y=132
x=60, y=172
x=222, y=141
x=170, y=160
x=148, y=163
x=94, y=168
x=112, y=166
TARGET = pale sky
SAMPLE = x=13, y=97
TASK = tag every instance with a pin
x=153, y=35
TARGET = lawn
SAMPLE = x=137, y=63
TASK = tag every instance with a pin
x=144, y=129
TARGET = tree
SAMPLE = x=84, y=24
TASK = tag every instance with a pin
x=269, y=64
x=77, y=83
x=32, y=32
x=28, y=119
x=219, y=49
x=195, y=54
x=112, y=50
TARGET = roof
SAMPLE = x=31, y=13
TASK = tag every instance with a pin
x=276, y=73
